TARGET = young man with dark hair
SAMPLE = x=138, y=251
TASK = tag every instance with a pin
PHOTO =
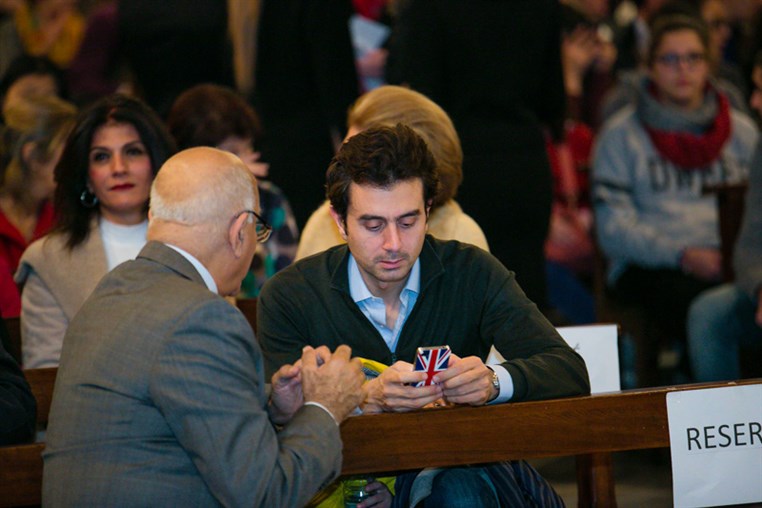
x=393, y=289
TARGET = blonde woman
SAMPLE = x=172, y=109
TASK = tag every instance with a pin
x=31, y=144
x=387, y=106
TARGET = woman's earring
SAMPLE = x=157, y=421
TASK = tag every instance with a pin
x=88, y=199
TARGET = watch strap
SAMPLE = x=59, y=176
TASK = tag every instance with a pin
x=495, y=384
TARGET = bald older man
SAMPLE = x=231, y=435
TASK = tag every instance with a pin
x=160, y=398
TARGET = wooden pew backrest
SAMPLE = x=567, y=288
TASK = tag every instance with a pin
x=248, y=307
x=596, y=424
x=42, y=382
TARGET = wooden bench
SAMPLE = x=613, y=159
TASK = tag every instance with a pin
x=21, y=466
x=248, y=307
x=42, y=382
x=21, y=475
x=590, y=427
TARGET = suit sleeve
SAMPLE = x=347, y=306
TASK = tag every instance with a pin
x=540, y=362
x=208, y=383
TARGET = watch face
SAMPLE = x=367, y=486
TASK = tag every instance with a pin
x=495, y=384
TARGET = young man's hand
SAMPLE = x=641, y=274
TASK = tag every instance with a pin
x=395, y=390
x=467, y=381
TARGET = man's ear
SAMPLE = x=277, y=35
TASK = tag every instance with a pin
x=340, y=223
x=236, y=234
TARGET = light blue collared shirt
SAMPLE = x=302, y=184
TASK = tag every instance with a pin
x=201, y=269
x=373, y=307
x=506, y=384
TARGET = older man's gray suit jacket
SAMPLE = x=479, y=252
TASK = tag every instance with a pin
x=160, y=401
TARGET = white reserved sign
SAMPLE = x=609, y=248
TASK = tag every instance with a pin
x=716, y=443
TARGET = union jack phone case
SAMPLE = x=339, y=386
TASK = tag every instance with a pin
x=431, y=360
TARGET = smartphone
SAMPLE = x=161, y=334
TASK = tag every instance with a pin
x=431, y=360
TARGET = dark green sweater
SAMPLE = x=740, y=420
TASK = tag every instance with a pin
x=467, y=300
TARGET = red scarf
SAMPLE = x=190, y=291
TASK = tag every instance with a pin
x=694, y=151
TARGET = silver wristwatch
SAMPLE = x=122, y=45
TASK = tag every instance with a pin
x=495, y=384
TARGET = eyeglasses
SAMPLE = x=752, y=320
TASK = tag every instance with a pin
x=674, y=59
x=263, y=229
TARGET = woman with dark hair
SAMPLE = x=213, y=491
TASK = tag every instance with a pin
x=212, y=115
x=104, y=178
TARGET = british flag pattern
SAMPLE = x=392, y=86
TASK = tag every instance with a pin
x=431, y=360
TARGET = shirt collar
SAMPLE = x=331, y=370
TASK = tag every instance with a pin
x=432, y=267
x=201, y=269
x=359, y=290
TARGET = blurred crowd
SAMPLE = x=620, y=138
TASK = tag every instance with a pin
x=582, y=140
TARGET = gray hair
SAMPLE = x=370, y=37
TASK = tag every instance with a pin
x=228, y=193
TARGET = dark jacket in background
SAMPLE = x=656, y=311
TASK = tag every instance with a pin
x=495, y=67
x=171, y=45
x=305, y=82
x=18, y=409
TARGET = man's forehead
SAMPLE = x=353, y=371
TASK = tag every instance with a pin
x=398, y=199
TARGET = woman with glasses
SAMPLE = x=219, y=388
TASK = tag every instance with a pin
x=653, y=161
x=103, y=182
